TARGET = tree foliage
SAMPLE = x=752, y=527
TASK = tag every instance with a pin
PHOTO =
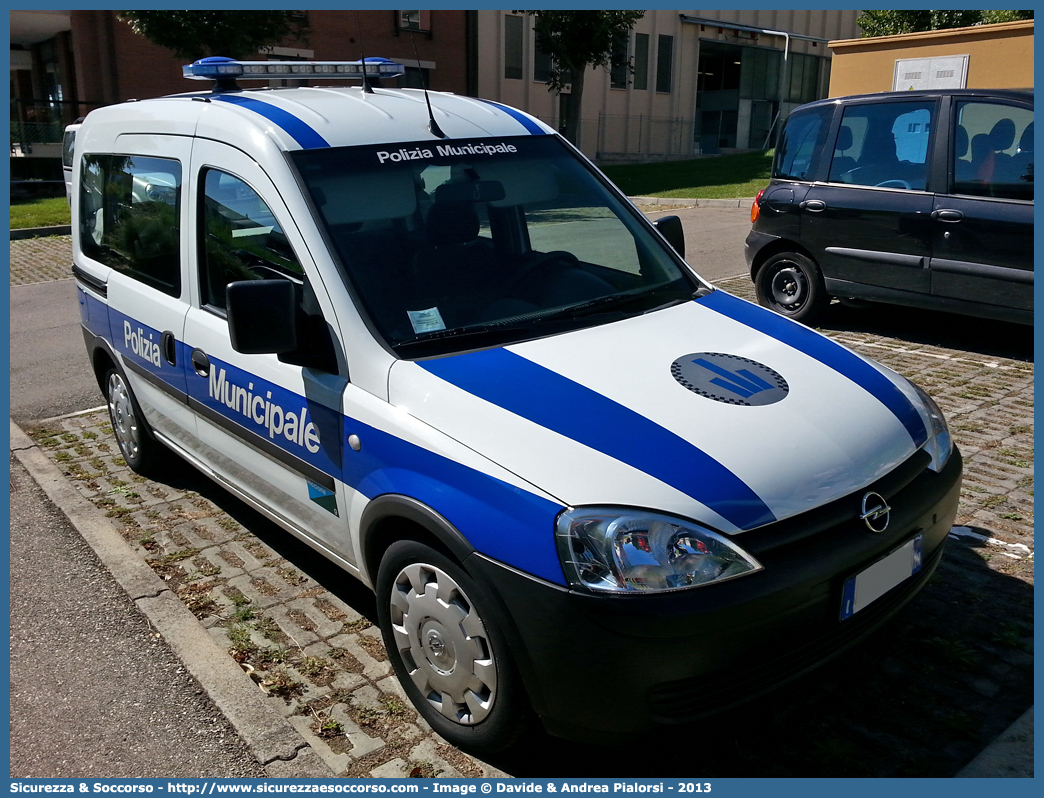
x=199, y=34
x=576, y=41
x=891, y=22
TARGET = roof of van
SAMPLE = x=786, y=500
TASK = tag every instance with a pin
x=883, y=96
x=316, y=117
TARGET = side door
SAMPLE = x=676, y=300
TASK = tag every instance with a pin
x=133, y=239
x=982, y=229
x=869, y=224
x=270, y=429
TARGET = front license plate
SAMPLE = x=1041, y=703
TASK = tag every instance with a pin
x=869, y=585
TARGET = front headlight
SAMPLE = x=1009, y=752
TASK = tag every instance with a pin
x=939, y=444
x=620, y=550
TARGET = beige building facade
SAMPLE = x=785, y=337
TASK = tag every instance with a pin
x=704, y=82
x=996, y=56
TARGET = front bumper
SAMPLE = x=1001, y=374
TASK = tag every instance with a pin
x=601, y=667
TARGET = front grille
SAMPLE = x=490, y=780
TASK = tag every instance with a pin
x=690, y=699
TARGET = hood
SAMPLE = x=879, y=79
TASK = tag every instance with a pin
x=715, y=410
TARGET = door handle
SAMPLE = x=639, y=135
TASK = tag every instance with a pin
x=200, y=362
x=167, y=347
x=814, y=206
x=947, y=216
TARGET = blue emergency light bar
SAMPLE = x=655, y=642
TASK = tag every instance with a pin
x=228, y=69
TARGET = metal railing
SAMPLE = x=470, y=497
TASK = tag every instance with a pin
x=43, y=122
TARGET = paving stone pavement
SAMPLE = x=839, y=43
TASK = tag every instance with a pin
x=39, y=260
x=942, y=681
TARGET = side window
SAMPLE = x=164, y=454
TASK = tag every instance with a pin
x=802, y=136
x=993, y=151
x=242, y=239
x=884, y=144
x=130, y=217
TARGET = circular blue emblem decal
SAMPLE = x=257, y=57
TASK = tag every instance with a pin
x=731, y=379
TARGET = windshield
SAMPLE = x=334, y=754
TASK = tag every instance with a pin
x=465, y=243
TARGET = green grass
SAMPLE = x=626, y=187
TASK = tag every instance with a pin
x=723, y=177
x=40, y=213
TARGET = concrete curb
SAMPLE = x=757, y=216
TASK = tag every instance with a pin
x=741, y=202
x=1009, y=756
x=273, y=741
x=40, y=232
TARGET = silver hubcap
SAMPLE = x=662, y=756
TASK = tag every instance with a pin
x=443, y=644
x=124, y=422
x=789, y=287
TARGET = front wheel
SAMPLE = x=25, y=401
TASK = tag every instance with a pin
x=446, y=650
x=791, y=284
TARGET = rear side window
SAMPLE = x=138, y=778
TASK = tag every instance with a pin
x=884, y=144
x=993, y=151
x=802, y=137
x=130, y=217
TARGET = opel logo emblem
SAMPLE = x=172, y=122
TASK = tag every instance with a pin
x=876, y=512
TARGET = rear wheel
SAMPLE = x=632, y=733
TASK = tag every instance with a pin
x=142, y=453
x=446, y=649
x=792, y=285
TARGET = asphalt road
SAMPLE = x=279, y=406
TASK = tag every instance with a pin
x=50, y=374
x=95, y=692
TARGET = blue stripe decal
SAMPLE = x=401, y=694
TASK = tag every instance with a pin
x=500, y=520
x=518, y=116
x=826, y=352
x=570, y=409
x=304, y=135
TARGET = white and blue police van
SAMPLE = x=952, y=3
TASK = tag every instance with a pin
x=425, y=335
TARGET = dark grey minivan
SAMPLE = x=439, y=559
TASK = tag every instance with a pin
x=921, y=198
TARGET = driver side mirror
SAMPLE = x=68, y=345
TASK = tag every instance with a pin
x=261, y=316
x=670, y=227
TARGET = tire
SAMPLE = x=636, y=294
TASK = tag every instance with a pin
x=141, y=451
x=792, y=285
x=447, y=652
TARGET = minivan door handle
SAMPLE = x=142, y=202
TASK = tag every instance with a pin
x=200, y=362
x=167, y=347
x=814, y=206
x=947, y=216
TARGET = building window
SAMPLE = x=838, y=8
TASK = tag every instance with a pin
x=664, y=63
x=640, y=79
x=541, y=65
x=513, y=48
x=803, y=79
x=413, y=20
x=618, y=59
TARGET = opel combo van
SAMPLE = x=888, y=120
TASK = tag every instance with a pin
x=425, y=335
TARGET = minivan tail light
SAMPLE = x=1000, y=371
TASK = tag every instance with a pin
x=755, y=208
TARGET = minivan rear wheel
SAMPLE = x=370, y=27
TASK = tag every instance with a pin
x=142, y=453
x=792, y=285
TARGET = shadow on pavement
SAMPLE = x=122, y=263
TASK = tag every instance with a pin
x=963, y=333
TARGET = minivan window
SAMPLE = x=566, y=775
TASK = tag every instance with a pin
x=883, y=144
x=993, y=151
x=802, y=137
x=458, y=245
x=242, y=239
x=130, y=217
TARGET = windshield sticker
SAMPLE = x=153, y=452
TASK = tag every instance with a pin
x=426, y=321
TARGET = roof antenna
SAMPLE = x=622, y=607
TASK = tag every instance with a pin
x=365, y=78
x=433, y=126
